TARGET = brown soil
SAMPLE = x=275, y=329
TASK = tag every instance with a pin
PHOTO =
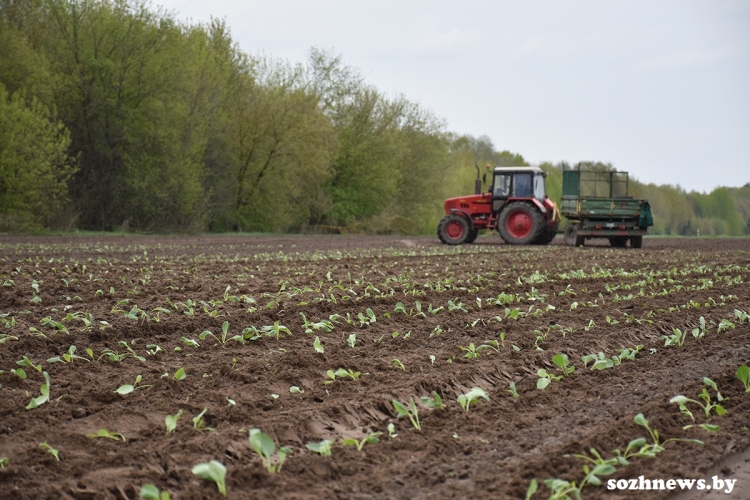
x=492, y=451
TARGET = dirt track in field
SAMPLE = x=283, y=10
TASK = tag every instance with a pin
x=580, y=301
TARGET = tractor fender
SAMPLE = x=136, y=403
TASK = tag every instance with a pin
x=532, y=200
x=465, y=216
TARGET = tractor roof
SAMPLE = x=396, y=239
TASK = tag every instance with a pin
x=510, y=170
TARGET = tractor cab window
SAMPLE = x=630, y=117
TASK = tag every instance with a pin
x=523, y=185
x=501, y=187
x=539, y=187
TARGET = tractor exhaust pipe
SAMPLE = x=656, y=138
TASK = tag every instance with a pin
x=478, y=182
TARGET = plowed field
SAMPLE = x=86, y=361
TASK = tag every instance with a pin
x=404, y=319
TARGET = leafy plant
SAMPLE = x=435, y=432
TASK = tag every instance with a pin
x=127, y=388
x=171, y=421
x=151, y=492
x=265, y=448
x=434, y=401
x=55, y=453
x=371, y=438
x=179, y=374
x=341, y=373
x=562, y=362
x=412, y=413
x=706, y=405
x=743, y=373
x=677, y=338
x=545, y=379
x=199, y=423
x=104, y=433
x=465, y=400
x=213, y=471
x=322, y=448
x=512, y=390
x=701, y=331
x=318, y=346
x=68, y=357
x=224, y=331
x=352, y=340
x=43, y=390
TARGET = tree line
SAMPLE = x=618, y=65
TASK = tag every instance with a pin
x=114, y=115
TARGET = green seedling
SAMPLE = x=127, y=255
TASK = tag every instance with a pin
x=43, y=390
x=724, y=324
x=705, y=427
x=318, y=346
x=104, y=433
x=115, y=356
x=545, y=379
x=68, y=357
x=153, y=349
x=512, y=390
x=127, y=388
x=701, y=331
x=432, y=359
x=179, y=374
x=55, y=453
x=224, y=331
x=265, y=448
x=677, y=338
x=352, y=340
x=366, y=320
x=563, y=363
x=189, y=342
x=533, y=487
x=19, y=372
x=400, y=308
x=601, y=361
x=411, y=412
x=658, y=445
x=341, y=373
x=706, y=405
x=472, y=351
x=434, y=401
x=213, y=471
x=27, y=362
x=391, y=430
x=473, y=395
x=397, y=363
x=275, y=330
x=199, y=423
x=743, y=373
x=322, y=448
x=296, y=390
x=3, y=462
x=151, y=492
x=171, y=421
x=372, y=439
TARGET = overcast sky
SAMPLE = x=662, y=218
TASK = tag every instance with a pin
x=659, y=88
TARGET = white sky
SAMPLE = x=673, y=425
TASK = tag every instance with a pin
x=659, y=88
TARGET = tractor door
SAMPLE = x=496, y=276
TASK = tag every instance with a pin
x=502, y=188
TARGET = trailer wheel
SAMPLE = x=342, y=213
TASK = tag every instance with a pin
x=453, y=229
x=519, y=223
x=618, y=241
x=570, y=235
x=636, y=241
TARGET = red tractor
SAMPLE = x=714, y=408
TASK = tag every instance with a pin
x=516, y=206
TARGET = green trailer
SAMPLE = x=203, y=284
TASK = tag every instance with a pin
x=597, y=205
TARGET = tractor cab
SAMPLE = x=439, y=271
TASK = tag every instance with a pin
x=519, y=183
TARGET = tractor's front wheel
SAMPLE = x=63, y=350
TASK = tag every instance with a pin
x=453, y=230
x=520, y=224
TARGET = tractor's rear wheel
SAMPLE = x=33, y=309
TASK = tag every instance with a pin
x=453, y=230
x=546, y=236
x=520, y=223
x=636, y=241
x=618, y=241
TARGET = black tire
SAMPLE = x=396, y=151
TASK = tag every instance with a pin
x=472, y=236
x=570, y=235
x=453, y=229
x=546, y=236
x=636, y=241
x=520, y=223
x=618, y=241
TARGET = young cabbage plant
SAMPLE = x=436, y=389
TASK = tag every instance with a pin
x=318, y=346
x=412, y=413
x=67, y=357
x=127, y=388
x=224, y=331
x=43, y=390
x=213, y=471
x=199, y=423
x=434, y=401
x=563, y=363
x=704, y=396
x=151, y=492
x=171, y=421
x=322, y=448
x=465, y=400
x=545, y=379
x=104, y=433
x=743, y=374
x=512, y=390
x=265, y=448
x=55, y=453
x=371, y=438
